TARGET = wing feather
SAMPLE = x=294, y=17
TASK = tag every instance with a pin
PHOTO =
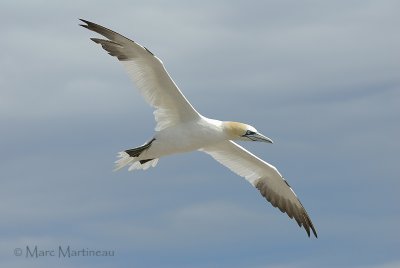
x=265, y=177
x=150, y=76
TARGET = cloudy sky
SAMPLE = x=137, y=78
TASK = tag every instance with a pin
x=321, y=78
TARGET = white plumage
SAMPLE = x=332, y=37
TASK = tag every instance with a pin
x=180, y=128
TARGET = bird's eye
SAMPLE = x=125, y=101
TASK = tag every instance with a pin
x=249, y=132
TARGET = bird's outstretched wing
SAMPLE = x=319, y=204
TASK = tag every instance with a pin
x=264, y=177
x=149, y=75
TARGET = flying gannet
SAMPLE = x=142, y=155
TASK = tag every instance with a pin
x=180, y=128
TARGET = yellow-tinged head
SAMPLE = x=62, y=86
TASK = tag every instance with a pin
x=240, y=131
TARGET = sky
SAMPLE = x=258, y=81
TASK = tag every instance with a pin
x=320, y=78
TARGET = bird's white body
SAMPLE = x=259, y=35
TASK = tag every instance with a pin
x=181, y=138
x=186, y=137
x=180, y=128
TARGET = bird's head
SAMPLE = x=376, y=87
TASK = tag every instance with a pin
x=244, y=132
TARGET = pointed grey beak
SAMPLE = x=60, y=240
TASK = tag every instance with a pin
x=259, y=137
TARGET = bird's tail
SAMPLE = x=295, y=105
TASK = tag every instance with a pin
x=125, y=159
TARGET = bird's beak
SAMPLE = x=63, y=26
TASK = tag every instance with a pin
x=259, y=137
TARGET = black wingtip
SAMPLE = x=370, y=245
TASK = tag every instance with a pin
x=311, y=225
x=96, y=40
x=308, y=231
x=84, y=25
x=85, y=21
x=87, y=25
x=312, y=229
x=315, y=232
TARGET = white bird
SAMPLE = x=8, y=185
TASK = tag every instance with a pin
x=180, y=128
